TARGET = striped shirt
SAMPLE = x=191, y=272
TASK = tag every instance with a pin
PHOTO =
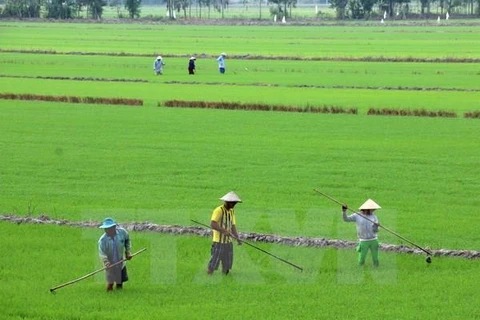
x=225, y=219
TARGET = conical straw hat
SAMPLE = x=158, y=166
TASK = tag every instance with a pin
x=370, y=205
x=231, y=197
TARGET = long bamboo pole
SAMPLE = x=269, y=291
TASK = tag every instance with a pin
x=381, y=226
x=251, y=245
x=52, y=290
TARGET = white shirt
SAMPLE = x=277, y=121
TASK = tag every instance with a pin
x=221, y=62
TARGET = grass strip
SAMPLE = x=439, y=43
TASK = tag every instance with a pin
x=411, y=113
x=71, y=99
x=255, y=107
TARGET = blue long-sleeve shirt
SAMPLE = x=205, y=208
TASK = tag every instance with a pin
x=158, y=65
x=120, y=242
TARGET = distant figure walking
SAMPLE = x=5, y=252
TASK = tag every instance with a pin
x=221, y=62
x=191, y=65
x=158, y=65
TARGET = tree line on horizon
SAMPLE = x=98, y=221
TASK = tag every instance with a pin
x=344, y=9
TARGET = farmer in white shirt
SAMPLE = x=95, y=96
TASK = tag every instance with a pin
x=367, y=228
x=221, y=62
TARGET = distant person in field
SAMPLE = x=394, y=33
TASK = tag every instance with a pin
x=224, y=232
x=367, y=228
x=112, y=246
x=221, y=62
x=158, y=65
x=191, y=65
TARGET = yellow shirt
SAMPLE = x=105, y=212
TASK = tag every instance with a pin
x=225, y=219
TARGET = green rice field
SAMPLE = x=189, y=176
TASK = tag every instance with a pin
x=150, y=163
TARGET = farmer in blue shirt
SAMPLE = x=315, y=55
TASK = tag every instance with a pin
x=367, y=228
x=158, y=65
x=111, y=247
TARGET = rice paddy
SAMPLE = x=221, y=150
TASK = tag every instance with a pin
x=150, y=163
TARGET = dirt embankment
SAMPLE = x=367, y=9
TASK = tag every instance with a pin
x=254, y=237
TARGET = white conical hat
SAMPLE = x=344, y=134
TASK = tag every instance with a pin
x=231, y=197
x=370, y=205
x=159, y=58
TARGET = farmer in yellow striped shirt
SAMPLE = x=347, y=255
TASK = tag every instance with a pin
x=224, y=229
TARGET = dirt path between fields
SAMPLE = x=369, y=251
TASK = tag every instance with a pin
x=253, y=237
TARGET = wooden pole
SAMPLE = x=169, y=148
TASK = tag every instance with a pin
x=52, y=290
x=381, y=226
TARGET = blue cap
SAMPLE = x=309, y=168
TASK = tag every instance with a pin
x=108, y=223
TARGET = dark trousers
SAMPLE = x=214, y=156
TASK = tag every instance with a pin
x=221, y=252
